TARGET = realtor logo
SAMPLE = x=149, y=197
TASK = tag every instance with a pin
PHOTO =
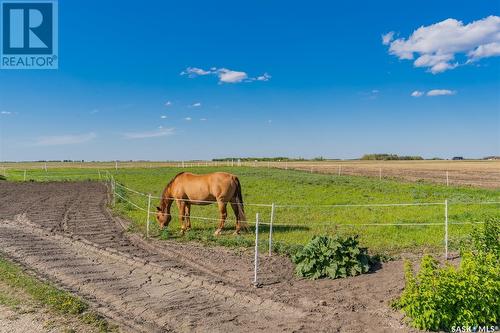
x=28, y=34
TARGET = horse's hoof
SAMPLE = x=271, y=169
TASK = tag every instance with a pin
x=217, y=232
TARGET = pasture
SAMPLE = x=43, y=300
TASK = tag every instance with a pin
x=303, y=207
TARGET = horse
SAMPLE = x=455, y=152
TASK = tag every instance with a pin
x=188, y=189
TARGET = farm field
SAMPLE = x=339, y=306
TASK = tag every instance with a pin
x=477, y=173
x=303, y=207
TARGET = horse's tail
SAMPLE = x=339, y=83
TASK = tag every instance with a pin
x=239, y=202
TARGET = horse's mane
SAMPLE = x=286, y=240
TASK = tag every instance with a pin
x=173, y=179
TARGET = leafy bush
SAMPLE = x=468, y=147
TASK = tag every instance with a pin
x=331, y=257
x=439, y=298
x=484, y=239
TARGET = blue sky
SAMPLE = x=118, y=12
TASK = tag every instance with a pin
x=278, y=78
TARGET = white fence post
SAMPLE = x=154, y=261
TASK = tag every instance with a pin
x=116, y=165
x=99, y=172
x=271, y=228
x=147, y=220
x=45, y=166
x=446, y=229
x=24, y=175
x=256, y=258
x=447, y=178
x=380, y=173
x=286, y=165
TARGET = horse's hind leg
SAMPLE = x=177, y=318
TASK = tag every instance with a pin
x=235, y=208
x=223, y=216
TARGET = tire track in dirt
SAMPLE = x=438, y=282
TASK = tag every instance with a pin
x=158, y=299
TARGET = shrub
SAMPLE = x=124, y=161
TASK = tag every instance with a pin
x=331, y=257
x=484, y=239
x=440, y=298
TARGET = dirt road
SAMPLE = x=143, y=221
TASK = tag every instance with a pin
x=64, y=232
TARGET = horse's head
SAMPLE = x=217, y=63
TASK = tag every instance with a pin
x=162, y=218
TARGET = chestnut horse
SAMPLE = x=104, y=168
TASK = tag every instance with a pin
x=188, y=189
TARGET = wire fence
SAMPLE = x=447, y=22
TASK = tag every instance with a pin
x=279, y=214
x=271, y=222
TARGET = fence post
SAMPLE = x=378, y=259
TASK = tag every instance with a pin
x=446, y=229
x=147, y=220
x=24, y=175
x=271, y=228
x=116, y=165
x=380, y=173
x=340, y=169
x=286, y=165
x=447, y=179
x=256, y=258
x=99, y=172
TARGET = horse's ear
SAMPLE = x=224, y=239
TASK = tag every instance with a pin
x=158, y=208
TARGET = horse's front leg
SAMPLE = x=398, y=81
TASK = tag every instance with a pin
x=181, y=205
x=187, y=215
x=223, y=215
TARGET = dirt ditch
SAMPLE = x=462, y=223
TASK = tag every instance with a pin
x=64, y=232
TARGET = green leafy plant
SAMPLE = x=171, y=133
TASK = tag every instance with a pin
x=439, y=298
x=332, y=257
x=484, y=238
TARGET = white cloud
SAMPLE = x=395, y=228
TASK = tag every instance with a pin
x=168, y=103
x=163, y=117
x=71, y=139
x=225, y=75
x=150, y=134
x=203, y=119
x=188, y=118
x=417, y=93
x=5, y=113
x=196, y=105
x=484, y=51
x=441, y=92
x=229, y=76
x=264, y=77
x=194, y=72
x=437, y=45
x=387, y=38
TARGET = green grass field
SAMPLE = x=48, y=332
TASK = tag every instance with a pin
x=308, y=196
